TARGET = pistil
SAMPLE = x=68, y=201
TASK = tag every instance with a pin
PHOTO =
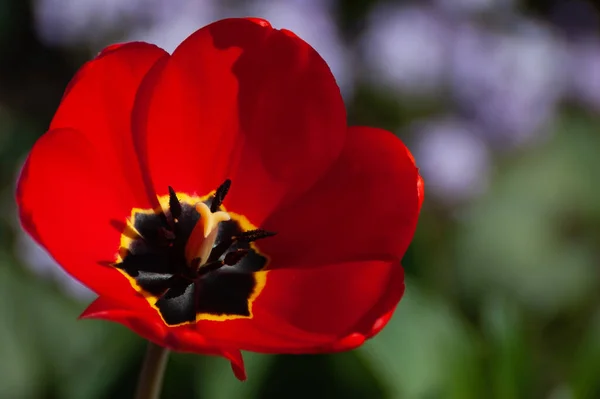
x=204, y=234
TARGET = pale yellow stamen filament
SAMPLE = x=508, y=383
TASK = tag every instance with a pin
x=203, y=236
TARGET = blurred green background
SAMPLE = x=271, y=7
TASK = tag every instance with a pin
x=499, y=100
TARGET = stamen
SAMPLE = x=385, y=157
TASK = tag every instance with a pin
x=248, y=237
x=219, y=249
x=204, y=234
x=174, y=204
x=253, y=235
x=231, y=259
x=220, y=195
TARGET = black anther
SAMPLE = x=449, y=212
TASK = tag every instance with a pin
x=253, y=235
x=174, y=204
x=220, y=195
x=219, y=249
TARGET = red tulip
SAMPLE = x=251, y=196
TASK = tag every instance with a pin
x=163, y=178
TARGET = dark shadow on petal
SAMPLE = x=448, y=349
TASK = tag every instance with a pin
x=151, y=262
x=177, y=305
x=154, y=283
x=225, y=292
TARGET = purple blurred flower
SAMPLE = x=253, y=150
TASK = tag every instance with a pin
x=508, y=83
x=407, y=48
x=453, y=159
x=584, y=71
x=69, y=22
x=172, y=21
x=469, y=7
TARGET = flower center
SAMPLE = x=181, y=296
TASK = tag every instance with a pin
x=193, y=260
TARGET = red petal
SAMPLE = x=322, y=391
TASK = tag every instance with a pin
x=263, y=333
x=381, y=322
x=317, y=310
x=338, y=299
x=98, y=103
x=82, y=178
x=366, y=207
x=242, y=100
x=68, y=203
x=142, y=323
x=147, y=324
x=237, y=364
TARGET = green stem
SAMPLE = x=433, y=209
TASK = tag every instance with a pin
x=153, y=369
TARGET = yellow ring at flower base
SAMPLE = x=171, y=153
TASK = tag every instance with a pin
x=130, y=235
